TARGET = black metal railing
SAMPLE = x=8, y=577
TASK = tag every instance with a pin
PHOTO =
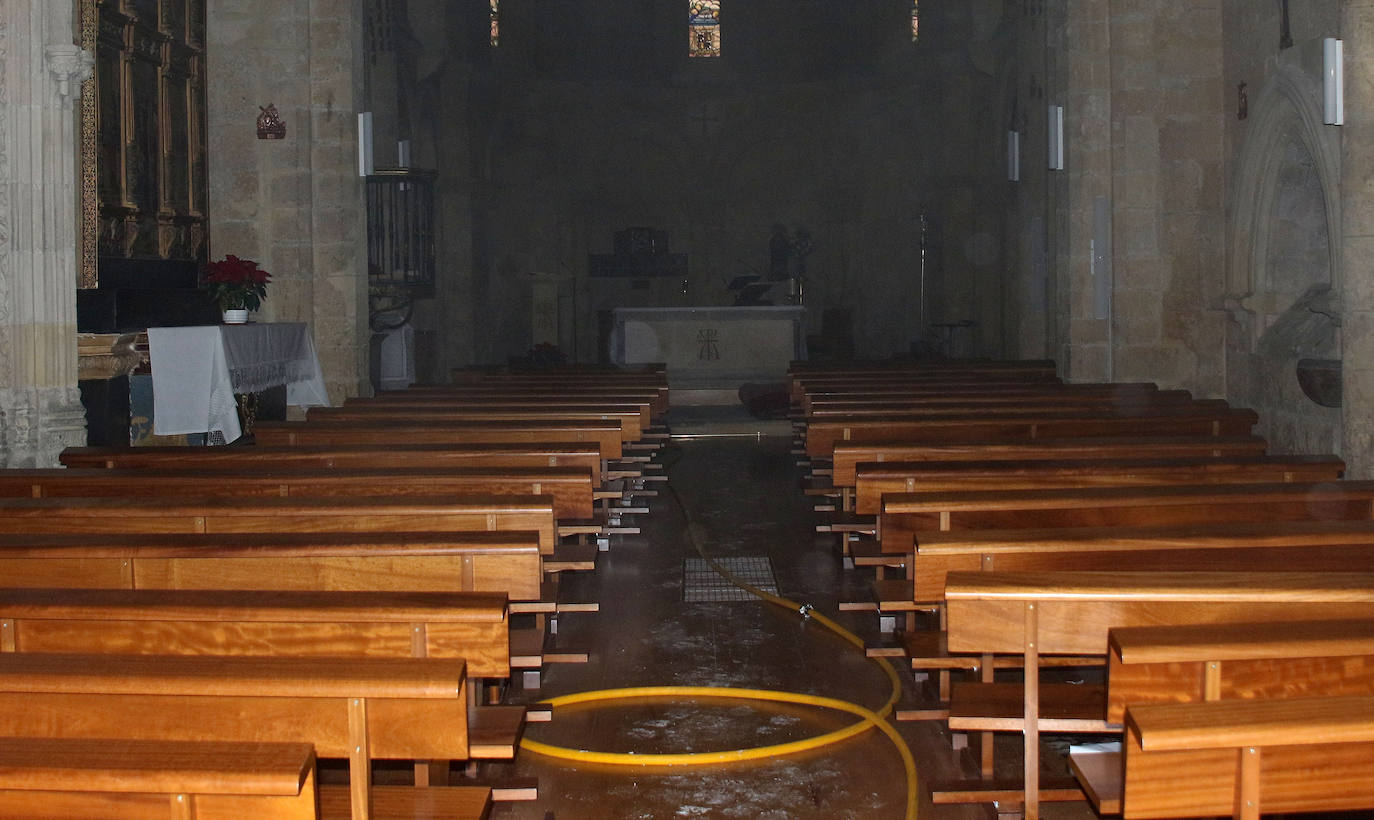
x=400, y=230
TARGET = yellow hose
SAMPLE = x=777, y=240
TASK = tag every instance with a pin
x=871, y=719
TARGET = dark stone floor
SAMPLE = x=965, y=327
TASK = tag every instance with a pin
x=739, y=498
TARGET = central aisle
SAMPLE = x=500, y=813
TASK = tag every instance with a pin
x=743, y=500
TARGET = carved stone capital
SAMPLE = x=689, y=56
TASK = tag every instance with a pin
x=70, y=65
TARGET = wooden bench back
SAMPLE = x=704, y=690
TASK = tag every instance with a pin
x=847, y=456
x=475, y=513
x=633, y=418
x=1278, y=547
x=469, y=625
x=652, y=405
x=605, y=434
x=501, y=562
x=823, y=435
x=351, y=457
x=1195, y=663
x=855, y=407
x=1244, y=757
x=569, y=487
x=880, y=483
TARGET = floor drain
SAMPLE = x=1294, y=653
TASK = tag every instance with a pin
x=702, y=584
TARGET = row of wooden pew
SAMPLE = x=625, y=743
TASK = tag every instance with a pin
x=360, y=585
x=1038, y=525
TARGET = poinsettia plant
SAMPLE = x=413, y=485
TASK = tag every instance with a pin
x=236, y=283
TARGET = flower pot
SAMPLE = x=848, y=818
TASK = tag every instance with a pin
x=235, y=316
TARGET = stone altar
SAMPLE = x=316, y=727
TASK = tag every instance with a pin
x=711, y=350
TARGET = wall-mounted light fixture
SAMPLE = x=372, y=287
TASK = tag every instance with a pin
x=1013, y=156
x=403, y=153
x=365, y=166
x=1333, y=81
x=1056, y=137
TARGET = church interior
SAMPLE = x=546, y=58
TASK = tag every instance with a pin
x=966, y=327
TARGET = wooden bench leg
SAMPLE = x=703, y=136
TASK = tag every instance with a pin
x=1247, y=785
x=359, y=767
x=985, y=758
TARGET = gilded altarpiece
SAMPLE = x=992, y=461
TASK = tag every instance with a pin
x=146, y=155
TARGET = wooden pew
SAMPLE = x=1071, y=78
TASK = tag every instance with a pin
x=393, y=561
x=169, y=780
x=1030, y=614
x=510, y=513
x=634, y=419
x=823, y=435
x=1248, y=756
x=1275, y=546
x=879, y=484
x=1183, y=664
x=859, y=405
x=1213, y=662
x=359, y=709
x=508, y=564
x=847, y=456
x=605, y=434
x=908, y=517
x=657, y=397
x=569, y=487
x=470, y=626
x=343, y=456
x=296, y=623
x=991, y=391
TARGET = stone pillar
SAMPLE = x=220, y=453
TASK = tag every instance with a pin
x=296, y=205
x=41, y=72
x=1357, y=245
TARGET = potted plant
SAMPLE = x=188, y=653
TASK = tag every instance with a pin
x=237, y=285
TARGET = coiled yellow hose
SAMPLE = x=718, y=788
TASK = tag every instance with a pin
x=871, y=719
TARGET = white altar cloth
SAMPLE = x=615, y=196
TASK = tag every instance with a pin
x=197, y=370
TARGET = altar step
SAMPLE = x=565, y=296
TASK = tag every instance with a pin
x=704, y=420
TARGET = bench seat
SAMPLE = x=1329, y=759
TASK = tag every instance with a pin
x=605, y=434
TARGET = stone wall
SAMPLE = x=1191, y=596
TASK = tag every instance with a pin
x=297, y=204
x=575, y=130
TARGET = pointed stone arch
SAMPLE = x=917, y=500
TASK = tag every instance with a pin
x=1288, y=108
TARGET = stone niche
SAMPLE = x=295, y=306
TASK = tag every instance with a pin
x=1284, y=278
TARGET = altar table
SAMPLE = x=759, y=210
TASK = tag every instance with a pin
x=711, y=347
x=197, y=370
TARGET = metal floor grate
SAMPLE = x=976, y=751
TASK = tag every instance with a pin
x=702, y=584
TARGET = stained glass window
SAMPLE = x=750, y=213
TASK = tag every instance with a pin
x=495, y=22
x=703, y=18
x=915, y=20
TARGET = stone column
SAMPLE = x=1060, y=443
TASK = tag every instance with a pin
x=1357, y=243
x=41, y=72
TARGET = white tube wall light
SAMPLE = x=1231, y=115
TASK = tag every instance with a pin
x=1333, y=81
x=1013, y=156
x=1056, y=138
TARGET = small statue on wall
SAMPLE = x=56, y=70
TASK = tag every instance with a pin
x=779, y=254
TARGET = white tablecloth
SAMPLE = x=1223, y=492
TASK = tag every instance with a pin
x=197, y=371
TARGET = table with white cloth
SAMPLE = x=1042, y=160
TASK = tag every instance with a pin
x=197, y=370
